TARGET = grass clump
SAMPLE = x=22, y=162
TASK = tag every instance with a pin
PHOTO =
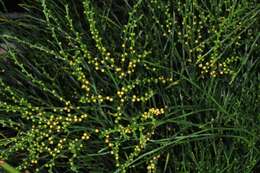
x=131, y=86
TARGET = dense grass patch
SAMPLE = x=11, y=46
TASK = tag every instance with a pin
x=131, y=86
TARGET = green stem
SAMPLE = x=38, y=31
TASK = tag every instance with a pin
x=8, y=168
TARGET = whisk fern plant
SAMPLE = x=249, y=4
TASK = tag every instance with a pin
x=131, y=86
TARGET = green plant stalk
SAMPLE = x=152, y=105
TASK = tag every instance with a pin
x=8, y=168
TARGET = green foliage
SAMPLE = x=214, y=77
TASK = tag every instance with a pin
x=131, y=86
x=7, y=167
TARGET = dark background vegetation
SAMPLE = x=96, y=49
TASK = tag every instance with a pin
x=13, y=5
